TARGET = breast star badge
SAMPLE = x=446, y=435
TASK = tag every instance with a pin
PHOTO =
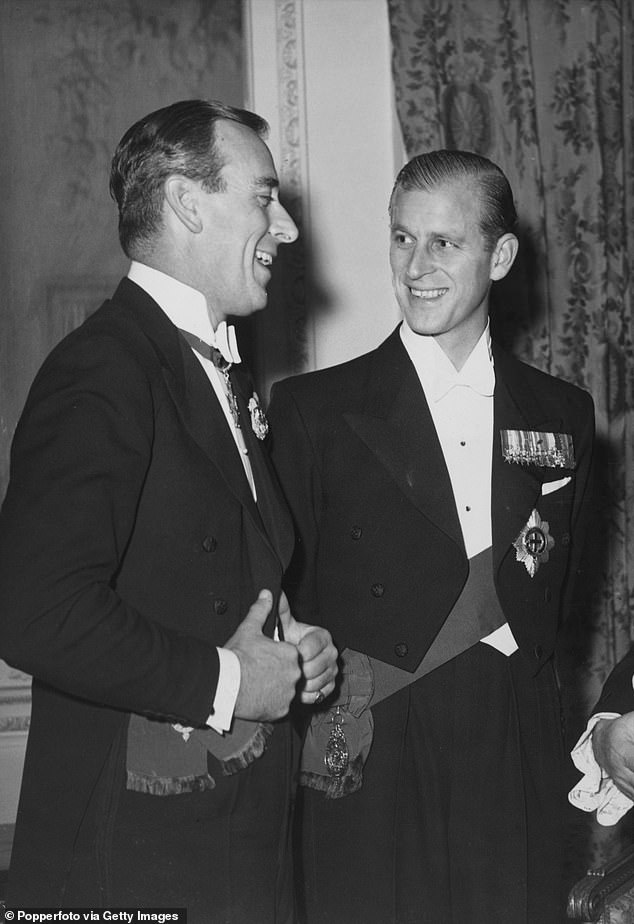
x=534, y=543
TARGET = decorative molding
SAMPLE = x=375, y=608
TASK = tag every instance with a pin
x=293, y=169
x=11, y=678
x=15, y=700
x=291, y=96
x=14, y=723
x=20, y=699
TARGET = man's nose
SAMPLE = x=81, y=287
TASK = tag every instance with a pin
x=283, y=228
x=420, y=262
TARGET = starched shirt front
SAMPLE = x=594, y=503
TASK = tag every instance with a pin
x=461, y=406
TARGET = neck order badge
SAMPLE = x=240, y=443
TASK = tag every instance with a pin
x=222, y=365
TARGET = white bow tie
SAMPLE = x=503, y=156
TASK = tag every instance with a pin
x=481, y=380
x=225, y=341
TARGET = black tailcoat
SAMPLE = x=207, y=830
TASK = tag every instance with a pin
x=380, y=561
x=130, y=547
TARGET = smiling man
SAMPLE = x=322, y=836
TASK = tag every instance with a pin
x=142, y=545
x=438, y=488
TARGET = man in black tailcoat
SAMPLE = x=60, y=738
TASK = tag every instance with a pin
x=143, y=540
x=437, y=486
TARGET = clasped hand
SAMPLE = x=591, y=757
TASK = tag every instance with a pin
x=273, y=673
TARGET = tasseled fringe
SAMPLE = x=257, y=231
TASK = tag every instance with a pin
x=335, y=787
x=253, y=749
x=166, y=786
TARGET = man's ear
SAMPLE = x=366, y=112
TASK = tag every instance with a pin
x=181, y=197
x=503, y=256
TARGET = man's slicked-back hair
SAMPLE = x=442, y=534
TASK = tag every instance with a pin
x=437, y=168
x=178, y=139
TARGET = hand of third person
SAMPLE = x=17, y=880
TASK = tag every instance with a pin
x=613, y=746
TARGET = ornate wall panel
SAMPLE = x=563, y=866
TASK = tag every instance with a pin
x=277, y=92
x=293, y=168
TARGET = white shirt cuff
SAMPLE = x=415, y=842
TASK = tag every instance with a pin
x=595, y=791
x=226, y=691
x=225, y=698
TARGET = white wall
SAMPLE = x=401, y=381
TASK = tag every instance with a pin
x=345, y=152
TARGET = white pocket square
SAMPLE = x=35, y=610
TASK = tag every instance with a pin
x=549, y=486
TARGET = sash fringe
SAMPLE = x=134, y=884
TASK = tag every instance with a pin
x=253, y=749
x=332, y=787
x=165, y=786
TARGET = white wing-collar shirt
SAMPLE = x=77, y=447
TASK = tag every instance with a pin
x=461, y=406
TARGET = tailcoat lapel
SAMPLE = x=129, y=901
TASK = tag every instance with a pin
x=516, y=488
x=271, y=504
x=208, y=425
x=396, y=425
x=196, y=403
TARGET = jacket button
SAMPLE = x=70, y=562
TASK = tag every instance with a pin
x=565, y=539
x=209, y=544
x=377, y=590
x=356, y=532
x=538, y=651
x=401, y=650
x=220, y=607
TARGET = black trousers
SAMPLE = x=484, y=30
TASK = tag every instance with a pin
x=459, y=817
x=224, y=855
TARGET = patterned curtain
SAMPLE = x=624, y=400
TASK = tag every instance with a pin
x=545, y=88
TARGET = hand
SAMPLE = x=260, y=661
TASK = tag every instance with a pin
x=317, y=656
x=269, y=670
x=613, y=746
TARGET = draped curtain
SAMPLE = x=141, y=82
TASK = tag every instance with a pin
x=545, y=89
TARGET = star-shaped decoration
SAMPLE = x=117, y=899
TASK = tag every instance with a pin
x=534, y=543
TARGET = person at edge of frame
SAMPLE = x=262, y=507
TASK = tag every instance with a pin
x=604, y=753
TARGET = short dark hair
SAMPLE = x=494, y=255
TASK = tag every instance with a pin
x=176, y=139
x=426, y=171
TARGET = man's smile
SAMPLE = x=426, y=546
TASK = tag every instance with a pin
x=266, y=259
x=427, y=293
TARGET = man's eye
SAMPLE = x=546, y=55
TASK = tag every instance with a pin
x=264, y=200
x=443, y=244
x=401, y=239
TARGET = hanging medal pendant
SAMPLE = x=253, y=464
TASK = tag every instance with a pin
x=231, y=398
x=337, y=756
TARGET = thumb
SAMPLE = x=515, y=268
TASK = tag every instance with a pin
x=259, y=610
x=285, y=613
